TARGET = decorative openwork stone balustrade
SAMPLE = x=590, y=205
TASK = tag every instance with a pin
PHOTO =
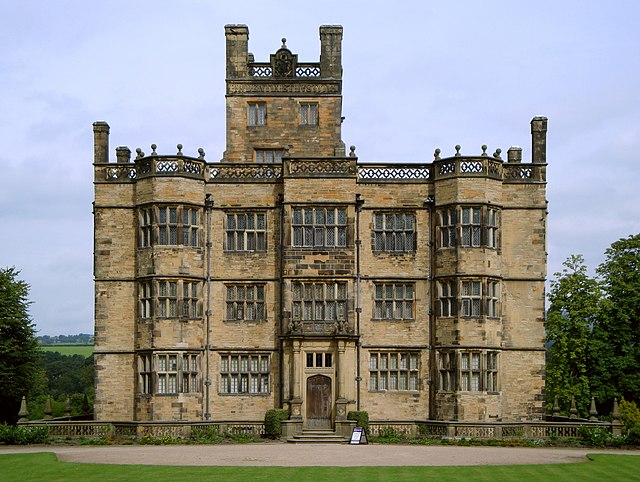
x=457, y=166
x=302, y=70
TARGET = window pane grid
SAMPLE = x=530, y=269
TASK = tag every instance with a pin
x=246, y=232
x=245, y=303
x=175, y=225
x=393, y=301
x=319, y=227
x=319, y=301
x=394, y=233
x=174, y=373
x=309, y=114
x=471, y=299
x=248, y=374
x=269, y=156
x=397, y=371
x=257, y=114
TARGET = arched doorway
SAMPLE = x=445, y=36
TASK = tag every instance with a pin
x=319, y=402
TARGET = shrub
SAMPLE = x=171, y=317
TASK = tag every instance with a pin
x=273, y=422
x=629, y=414
x=633, y=435
x=389, y=435
x=361, y=417
x=595, y=437
x=208, y=435
x=16, y=435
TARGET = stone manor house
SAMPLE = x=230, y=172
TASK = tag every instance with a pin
x=291, y=274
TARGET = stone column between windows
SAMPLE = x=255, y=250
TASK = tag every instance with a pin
x=296, y=401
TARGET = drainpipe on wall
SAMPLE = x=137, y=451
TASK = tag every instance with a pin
x=208, y=203
x=430, y=204
x=280, y=326
x=359, y=203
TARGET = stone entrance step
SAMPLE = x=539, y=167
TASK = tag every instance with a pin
x=318, y=436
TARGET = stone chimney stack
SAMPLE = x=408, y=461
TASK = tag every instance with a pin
x=237, y=51
x=539, y=140
x=100, y=142
x=331, y=51
x=123, y=154
x=514, y=154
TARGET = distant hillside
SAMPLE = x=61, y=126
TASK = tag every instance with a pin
x=79, y=339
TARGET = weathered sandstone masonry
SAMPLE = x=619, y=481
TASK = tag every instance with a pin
x=291, y=274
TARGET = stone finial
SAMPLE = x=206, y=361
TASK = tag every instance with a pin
x=573, y=411
x=436, y=154
x=201, y=153
x=179, y=153
x=593, y=413
x=67, y=407
x=496, y=155
x=153, y=150
x=352, y=151
x=484, y=150
x=616, y=424
x=458, y=150
x=48, y=410
x=24, y=411
x=615, y=413
x=284, y=43
x=139, y=153
x=556, y=406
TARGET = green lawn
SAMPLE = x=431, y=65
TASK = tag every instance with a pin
x=44, y=466
x=84, y=350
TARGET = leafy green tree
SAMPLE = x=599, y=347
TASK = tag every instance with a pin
x=67, y=374
x=18, y=344
x=574, y=305
x=617, y=335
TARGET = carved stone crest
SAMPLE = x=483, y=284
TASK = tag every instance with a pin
x=284, y=62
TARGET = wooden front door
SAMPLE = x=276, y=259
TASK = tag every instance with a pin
x=319, y=402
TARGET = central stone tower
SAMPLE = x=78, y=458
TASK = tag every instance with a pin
x=283, y=105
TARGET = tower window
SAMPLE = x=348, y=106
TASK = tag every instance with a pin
x=269, y=155
x=309, y=114
x=257, y=114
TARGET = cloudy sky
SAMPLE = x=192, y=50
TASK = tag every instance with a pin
x=417, y=75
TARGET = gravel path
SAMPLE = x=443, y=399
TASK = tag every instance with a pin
x=282, y=454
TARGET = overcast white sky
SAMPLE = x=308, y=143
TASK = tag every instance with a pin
x=417, y=75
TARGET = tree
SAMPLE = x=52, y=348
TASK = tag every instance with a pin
x=574, y=306
x=617, y=335
x=18, y=344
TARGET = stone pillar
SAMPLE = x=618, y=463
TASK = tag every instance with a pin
x=237, y=50
x=341, y=401
x=539, y=140
x=123, y=154
x=100, y=142
x=331, y=51
x=296, y=401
